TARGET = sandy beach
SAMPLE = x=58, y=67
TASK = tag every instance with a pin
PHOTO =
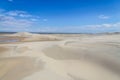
x=28, y=56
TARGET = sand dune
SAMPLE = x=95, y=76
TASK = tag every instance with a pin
x=27, y=37
x=35, y=37
x=73, y=57
x=3, y=49
x=69, y=53
x=15, y=68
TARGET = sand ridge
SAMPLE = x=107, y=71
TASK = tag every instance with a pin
x=15, y=68
x=74, y=57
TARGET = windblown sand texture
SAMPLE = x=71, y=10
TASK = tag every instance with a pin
x=60, y=57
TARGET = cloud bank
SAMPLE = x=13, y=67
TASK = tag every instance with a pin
x=108, y=27
x=23, y=21
x=103, y=17
x=16, y=20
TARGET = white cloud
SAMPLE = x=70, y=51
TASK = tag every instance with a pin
x=25, y=15
x=103, y=17
x=12, y=14
x=13, y=20
x=33, y=19
x=82, y=29
x=45, y=19
x=17, y=13
x=7, y=21
x=21, y=20
x=107, y=25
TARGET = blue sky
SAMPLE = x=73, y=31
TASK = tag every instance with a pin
x=86, y=16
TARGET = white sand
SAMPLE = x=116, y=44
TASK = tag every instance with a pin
x=74, y=57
